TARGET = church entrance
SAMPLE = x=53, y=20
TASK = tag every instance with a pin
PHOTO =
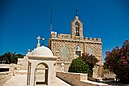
x=41, y=75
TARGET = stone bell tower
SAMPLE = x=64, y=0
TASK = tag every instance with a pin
x=70, y=46
x=76, y=28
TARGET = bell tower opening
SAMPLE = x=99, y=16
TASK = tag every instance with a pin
x=76, y=28
x=77, y=31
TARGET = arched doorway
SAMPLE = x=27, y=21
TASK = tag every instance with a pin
x=41, y=74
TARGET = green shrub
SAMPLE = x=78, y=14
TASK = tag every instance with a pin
x=83, y=64
x=79, y=66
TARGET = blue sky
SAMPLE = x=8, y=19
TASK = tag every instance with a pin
x=21, y=21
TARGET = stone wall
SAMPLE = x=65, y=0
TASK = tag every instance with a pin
x=4, y=77
x=77, y=79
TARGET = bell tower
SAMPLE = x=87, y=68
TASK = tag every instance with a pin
x=76, y=28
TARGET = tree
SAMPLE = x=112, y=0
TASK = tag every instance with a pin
x=89, y=59
x=19, y=56
x=10, y=57
x=83, y=64
x=117, y=61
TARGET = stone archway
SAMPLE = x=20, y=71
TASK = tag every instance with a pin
x=41, y=74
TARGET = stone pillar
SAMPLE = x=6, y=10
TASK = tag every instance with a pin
x=62, y=67
x=95, y=72
x=101, y=71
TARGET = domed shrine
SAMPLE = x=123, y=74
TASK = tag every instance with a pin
x=41, y=66
x=42, y=51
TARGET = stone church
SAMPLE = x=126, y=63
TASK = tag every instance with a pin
x=70, y=46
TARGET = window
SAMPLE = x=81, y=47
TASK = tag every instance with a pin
x=77, y=31
x=78, y=51
x=89, y=50
x=64, y=52
x=77, y=28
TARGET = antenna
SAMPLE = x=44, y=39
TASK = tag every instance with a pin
x=51, y=21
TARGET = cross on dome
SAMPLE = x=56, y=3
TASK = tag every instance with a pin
x=39, y=38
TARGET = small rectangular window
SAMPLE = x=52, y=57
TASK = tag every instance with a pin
x=78, y=53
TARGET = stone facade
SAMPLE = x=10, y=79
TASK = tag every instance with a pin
x=70, y=46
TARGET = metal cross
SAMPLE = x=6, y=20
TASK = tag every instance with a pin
x=76, y=12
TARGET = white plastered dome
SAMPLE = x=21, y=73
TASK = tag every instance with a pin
x=42, y=51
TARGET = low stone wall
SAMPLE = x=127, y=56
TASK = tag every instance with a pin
x=77, y=79
x=4, y=77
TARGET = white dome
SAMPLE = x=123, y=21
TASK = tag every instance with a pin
x=42, y=51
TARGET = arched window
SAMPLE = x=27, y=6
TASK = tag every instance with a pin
x=76, y=23
x=89, y=50
x=78, y=51
x=41, y=74
x=64, y=52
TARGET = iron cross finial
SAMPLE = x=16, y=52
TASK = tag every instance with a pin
x=76, y=12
